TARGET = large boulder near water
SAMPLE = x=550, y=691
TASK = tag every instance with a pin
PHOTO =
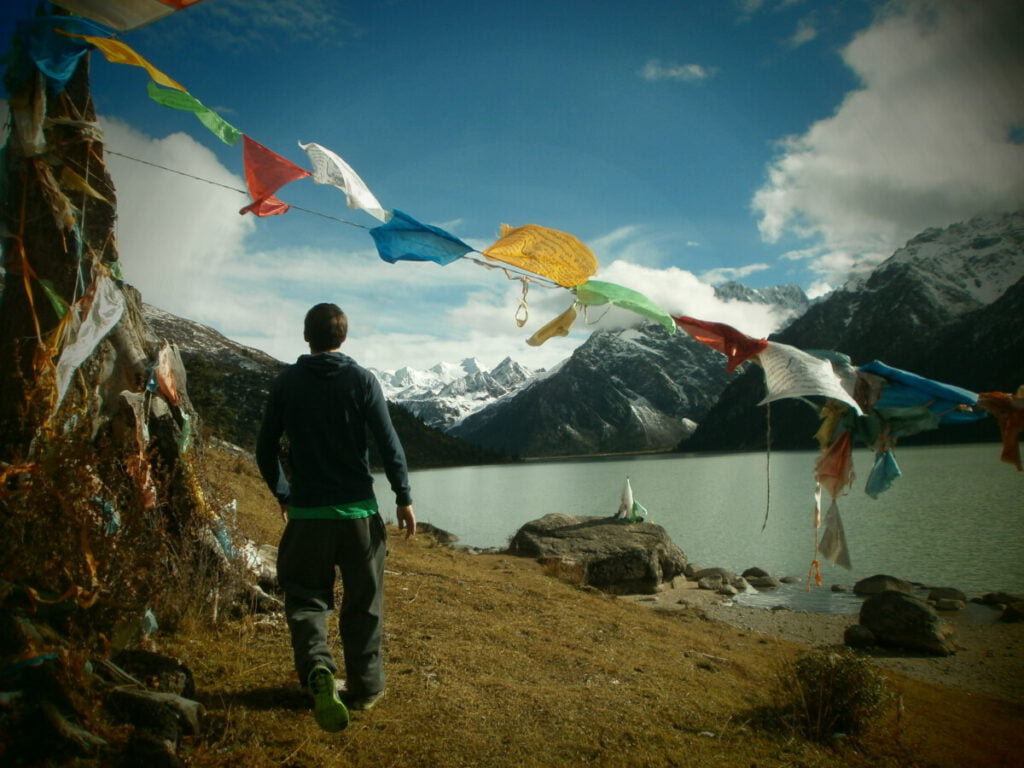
x=613, y=555
x=872, y=585
x=899, y=620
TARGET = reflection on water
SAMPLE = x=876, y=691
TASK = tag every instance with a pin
x=952, y=519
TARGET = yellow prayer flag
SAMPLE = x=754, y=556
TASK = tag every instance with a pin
x=556, y=255
x=117, y=52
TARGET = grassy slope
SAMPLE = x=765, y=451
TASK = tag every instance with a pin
x=491, y=662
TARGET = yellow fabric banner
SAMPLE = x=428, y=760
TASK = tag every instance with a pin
x=120, y=53
x=558, y=256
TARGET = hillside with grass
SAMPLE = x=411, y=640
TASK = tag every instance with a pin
x=492, y=661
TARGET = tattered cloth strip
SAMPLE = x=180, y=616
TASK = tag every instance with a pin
x=104, y=311
x=834, y=468
x=598, y=292
x=833, y=539
x=791, y=372
x=1009, y=413
x=265, y=173
x=55, y=55
x=405, y=239
x=124, y=15
x=558, y=327
x=330, y=169
x=883, y=473
x=550, y=253
x=186, y=102
x=736, y=346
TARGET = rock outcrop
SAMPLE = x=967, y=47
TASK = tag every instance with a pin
x=612, y=555
x=899, y=620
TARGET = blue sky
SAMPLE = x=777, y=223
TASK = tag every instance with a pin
x=684, y=142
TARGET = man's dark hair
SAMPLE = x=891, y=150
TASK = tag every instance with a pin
x=326, y=327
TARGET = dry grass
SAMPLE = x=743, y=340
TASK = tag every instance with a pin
x=492, y=662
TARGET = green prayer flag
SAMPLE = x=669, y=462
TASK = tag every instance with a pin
x=60, y=307
x=596, y=292
x=186, y=102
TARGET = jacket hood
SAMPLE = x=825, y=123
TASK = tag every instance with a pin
x=326, y=364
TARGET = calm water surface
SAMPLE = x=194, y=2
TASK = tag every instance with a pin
x=953, y=518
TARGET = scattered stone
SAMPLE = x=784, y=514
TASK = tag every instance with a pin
x=764, y=582
x=946, y=593
x=998, y=598
x=873, y=585
x=1014, y=612
x=440, y=535
x=789, y=579
x=900, y=620
x=727, y=577
x=858, y=636
x=756, y=572
x=949, y=604
x=157, y=671
x=728, y=590
x=838, y=588
x=615, y=555
x=690, y=569
x=713, y=582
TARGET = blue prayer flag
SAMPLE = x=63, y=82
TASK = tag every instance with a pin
x=405, y=239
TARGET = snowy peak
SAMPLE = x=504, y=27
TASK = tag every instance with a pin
x=446, y=393
x=966, y=265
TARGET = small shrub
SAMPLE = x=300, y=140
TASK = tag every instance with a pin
x=824, y=693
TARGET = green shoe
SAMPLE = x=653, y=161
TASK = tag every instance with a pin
x=330, y=711
x=363, y=703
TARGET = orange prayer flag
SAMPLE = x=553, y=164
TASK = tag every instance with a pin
x=117, y=52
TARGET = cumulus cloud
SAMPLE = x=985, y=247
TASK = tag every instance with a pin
x=806, y=31
x=721, y=274
x=926, y=141
x=654, y=69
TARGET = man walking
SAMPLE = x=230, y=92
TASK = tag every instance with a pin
x=323, y=404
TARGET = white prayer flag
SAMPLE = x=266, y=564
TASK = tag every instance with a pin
x=328, y=168
x=791, y=372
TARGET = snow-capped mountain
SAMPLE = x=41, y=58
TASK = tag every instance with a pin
x=446, y=393
x=636, y=389
x=788, y=301
x=947, y=306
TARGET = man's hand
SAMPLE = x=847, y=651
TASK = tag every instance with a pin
x=406, y=519
x=284, y=512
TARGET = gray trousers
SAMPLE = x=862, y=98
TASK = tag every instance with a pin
x=309, y=552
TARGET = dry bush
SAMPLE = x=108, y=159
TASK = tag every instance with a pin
x=825, y=694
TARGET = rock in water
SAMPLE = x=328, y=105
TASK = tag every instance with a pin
x=614, y=555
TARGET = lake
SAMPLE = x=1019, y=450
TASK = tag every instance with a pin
x=953, y=518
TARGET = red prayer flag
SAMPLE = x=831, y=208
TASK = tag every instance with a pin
x=736, y=346
x=265, y=173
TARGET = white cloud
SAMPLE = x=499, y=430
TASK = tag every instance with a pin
x=806, y=31
x=721, y=274
x=925, y=141
x=687, y=73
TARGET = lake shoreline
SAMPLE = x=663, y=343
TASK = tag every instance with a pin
x=989, y=658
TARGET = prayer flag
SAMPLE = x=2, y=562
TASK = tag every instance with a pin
x=1009, y=413
x=124, y=15
x=186, y=102
x=558, y=256
x=791, y=372
x=117, y=52
x=736, y=346
x=903, y=389
x=558, y=327
x=833, y=539
x=328, y=168
x=405, y=239
x=265, y=173
x=55, y=55
x=597, y=292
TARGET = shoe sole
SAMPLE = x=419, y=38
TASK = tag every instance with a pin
x=329, y=710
